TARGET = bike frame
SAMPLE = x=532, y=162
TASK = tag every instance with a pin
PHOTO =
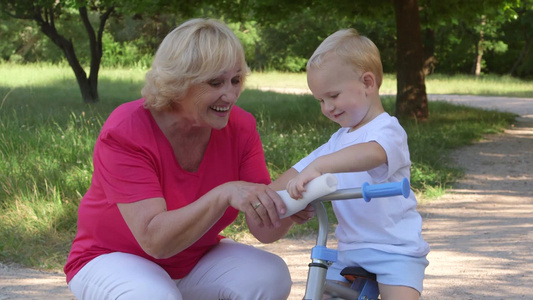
x=322, y=257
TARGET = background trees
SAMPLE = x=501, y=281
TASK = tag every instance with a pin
x=457, y=36
x=50, y=17
x=54, y=20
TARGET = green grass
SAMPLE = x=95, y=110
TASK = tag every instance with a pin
x=299, y=81
x=47, y=135
x=486, y=85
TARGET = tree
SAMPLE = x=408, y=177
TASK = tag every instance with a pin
x=411, y=97
x=488, y=21
x=466, y=32
x=523, y=13
x=47, y=13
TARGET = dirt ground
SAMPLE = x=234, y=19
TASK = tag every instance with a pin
x=480, y=232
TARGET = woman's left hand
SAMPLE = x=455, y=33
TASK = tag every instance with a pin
x=259, y=202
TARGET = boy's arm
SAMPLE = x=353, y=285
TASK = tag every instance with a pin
x=355, y=158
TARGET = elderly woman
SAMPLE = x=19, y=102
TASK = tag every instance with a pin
x=171, y=171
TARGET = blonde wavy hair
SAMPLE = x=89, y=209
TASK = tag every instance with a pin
x=196, y=51
x=357, y=50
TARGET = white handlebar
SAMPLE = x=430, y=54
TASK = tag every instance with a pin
x=316, y=188
x=324, y=188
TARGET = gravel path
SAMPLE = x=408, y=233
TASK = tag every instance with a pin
x=480, y=232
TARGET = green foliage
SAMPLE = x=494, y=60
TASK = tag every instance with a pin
x=287, y=44
x=123, y=54
x=248, y=34
x=134, y=39
x=457, y=26
x=22, y=42
x=290, y=126
x=517, y=34
x=283, y=37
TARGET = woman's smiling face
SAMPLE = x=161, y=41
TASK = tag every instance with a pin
x=208, y=104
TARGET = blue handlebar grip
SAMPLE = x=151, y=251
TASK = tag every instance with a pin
x=386, y=189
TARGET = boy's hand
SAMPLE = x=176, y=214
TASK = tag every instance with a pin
x=296, y=186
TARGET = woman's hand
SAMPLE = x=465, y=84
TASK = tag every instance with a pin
x=260, y=203
x=304, y=215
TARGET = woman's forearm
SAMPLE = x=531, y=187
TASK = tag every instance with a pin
x=161, y=233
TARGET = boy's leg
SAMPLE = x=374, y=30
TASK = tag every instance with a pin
x=396, y=272
x=123, y=276
x=397, y=292
x=236, y=271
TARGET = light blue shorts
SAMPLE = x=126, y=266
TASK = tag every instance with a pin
x=390, y=268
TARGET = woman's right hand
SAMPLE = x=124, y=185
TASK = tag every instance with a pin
x=261, y=204
x=304, y=215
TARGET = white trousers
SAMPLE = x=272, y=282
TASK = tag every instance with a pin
x=230, y=271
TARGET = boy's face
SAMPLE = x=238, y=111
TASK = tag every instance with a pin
x=344, y=94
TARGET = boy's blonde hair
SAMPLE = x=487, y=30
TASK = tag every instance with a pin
x=196, y=51
x=355, y=49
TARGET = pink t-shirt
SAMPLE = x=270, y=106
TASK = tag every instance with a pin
x=133, y=161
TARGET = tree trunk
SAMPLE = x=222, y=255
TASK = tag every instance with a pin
x=411, y=98
x=520, y=58
x=88, y=85
x=479, y=58
x=527, y=43
x=476, y=68
x=429, y=52
x=88, y=90
x=479, y=49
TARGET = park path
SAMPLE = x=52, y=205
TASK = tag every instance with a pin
x=480, y=232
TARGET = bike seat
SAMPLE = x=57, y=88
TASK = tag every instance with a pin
x=352, y=273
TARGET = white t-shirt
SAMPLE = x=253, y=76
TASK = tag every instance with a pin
x=388, y=224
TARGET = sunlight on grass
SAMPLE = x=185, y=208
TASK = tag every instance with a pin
x=487, y=85
x=257, y=80
x=276, y=79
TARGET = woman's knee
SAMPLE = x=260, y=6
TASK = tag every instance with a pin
x=255, y=273
x=131, y=290
x=123, y=276
x=274, y=268
x=271, y=277
x=150, y=290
